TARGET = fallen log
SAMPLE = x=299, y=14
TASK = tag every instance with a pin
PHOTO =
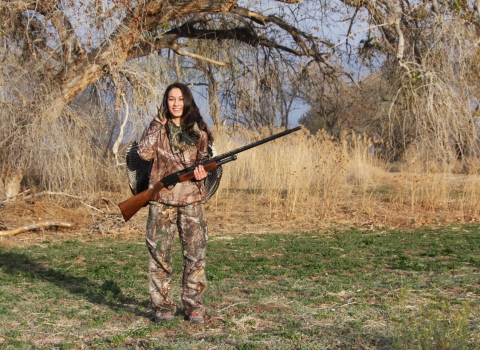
x=34, y=226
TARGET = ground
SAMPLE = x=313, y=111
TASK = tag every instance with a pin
x=236, y=213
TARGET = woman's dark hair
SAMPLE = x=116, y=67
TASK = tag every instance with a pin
x=191, y=113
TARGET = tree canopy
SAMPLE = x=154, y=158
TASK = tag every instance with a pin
x=81, y=41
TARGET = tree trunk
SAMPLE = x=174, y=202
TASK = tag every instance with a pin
x=11, y=182
x=213, y=101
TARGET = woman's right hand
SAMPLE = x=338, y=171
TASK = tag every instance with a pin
x=163, y=122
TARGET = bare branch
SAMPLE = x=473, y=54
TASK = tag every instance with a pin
x=34, y=226
x=298, y=36
x=401, y=39
x=187, y=30
x=200, y=57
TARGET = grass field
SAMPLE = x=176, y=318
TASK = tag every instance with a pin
x=417, y=289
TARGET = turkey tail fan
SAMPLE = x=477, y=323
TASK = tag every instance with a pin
x=212, y=181
x=138, y=170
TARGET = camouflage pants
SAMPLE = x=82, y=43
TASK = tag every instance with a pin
x=163, y=222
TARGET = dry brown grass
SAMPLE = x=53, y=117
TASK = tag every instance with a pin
x=303, y=181
x=300, y=182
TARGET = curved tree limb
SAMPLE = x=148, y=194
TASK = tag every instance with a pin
x=34, y=226
x=245, y=34
x=301, y=38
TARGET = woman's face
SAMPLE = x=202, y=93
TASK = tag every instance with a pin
x=175, y=103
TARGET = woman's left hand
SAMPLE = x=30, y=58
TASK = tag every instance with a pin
x=199, y=173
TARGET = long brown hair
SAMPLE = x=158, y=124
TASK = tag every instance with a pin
x=191, y=113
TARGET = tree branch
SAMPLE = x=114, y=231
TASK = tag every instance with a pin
x=298, y=36
x=242, y=34
x=35, y=226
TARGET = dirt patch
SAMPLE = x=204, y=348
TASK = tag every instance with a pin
x=90, y=219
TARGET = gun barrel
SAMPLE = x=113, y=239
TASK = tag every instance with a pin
x=226, y=160
x=254, y=144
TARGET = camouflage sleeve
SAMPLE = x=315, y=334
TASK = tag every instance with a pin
x=149, y=140
x=202, y=147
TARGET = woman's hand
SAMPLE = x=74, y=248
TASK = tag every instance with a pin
x=163, y=122
x=199, y=173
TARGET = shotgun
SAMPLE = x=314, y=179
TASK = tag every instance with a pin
x=132, y=205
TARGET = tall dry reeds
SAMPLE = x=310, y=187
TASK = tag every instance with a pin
x=304, y=177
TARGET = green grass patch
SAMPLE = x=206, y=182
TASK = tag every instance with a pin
x=417, y=289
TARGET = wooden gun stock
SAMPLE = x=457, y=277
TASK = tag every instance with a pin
x=132, y=205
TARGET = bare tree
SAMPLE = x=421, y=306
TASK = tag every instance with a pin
x=259, y=88
x=57, y=49
x=332, y=104
x=424, y=51
x=82, y=57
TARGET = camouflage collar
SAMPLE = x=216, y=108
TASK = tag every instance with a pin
x=180, y=140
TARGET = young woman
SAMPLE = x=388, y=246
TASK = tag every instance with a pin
x=177, y=138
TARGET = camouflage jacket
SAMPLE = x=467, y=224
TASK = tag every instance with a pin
x=155, y=145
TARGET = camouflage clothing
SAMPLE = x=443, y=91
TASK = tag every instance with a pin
x=161, y=228
x=155, y=144
x=178, y=208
